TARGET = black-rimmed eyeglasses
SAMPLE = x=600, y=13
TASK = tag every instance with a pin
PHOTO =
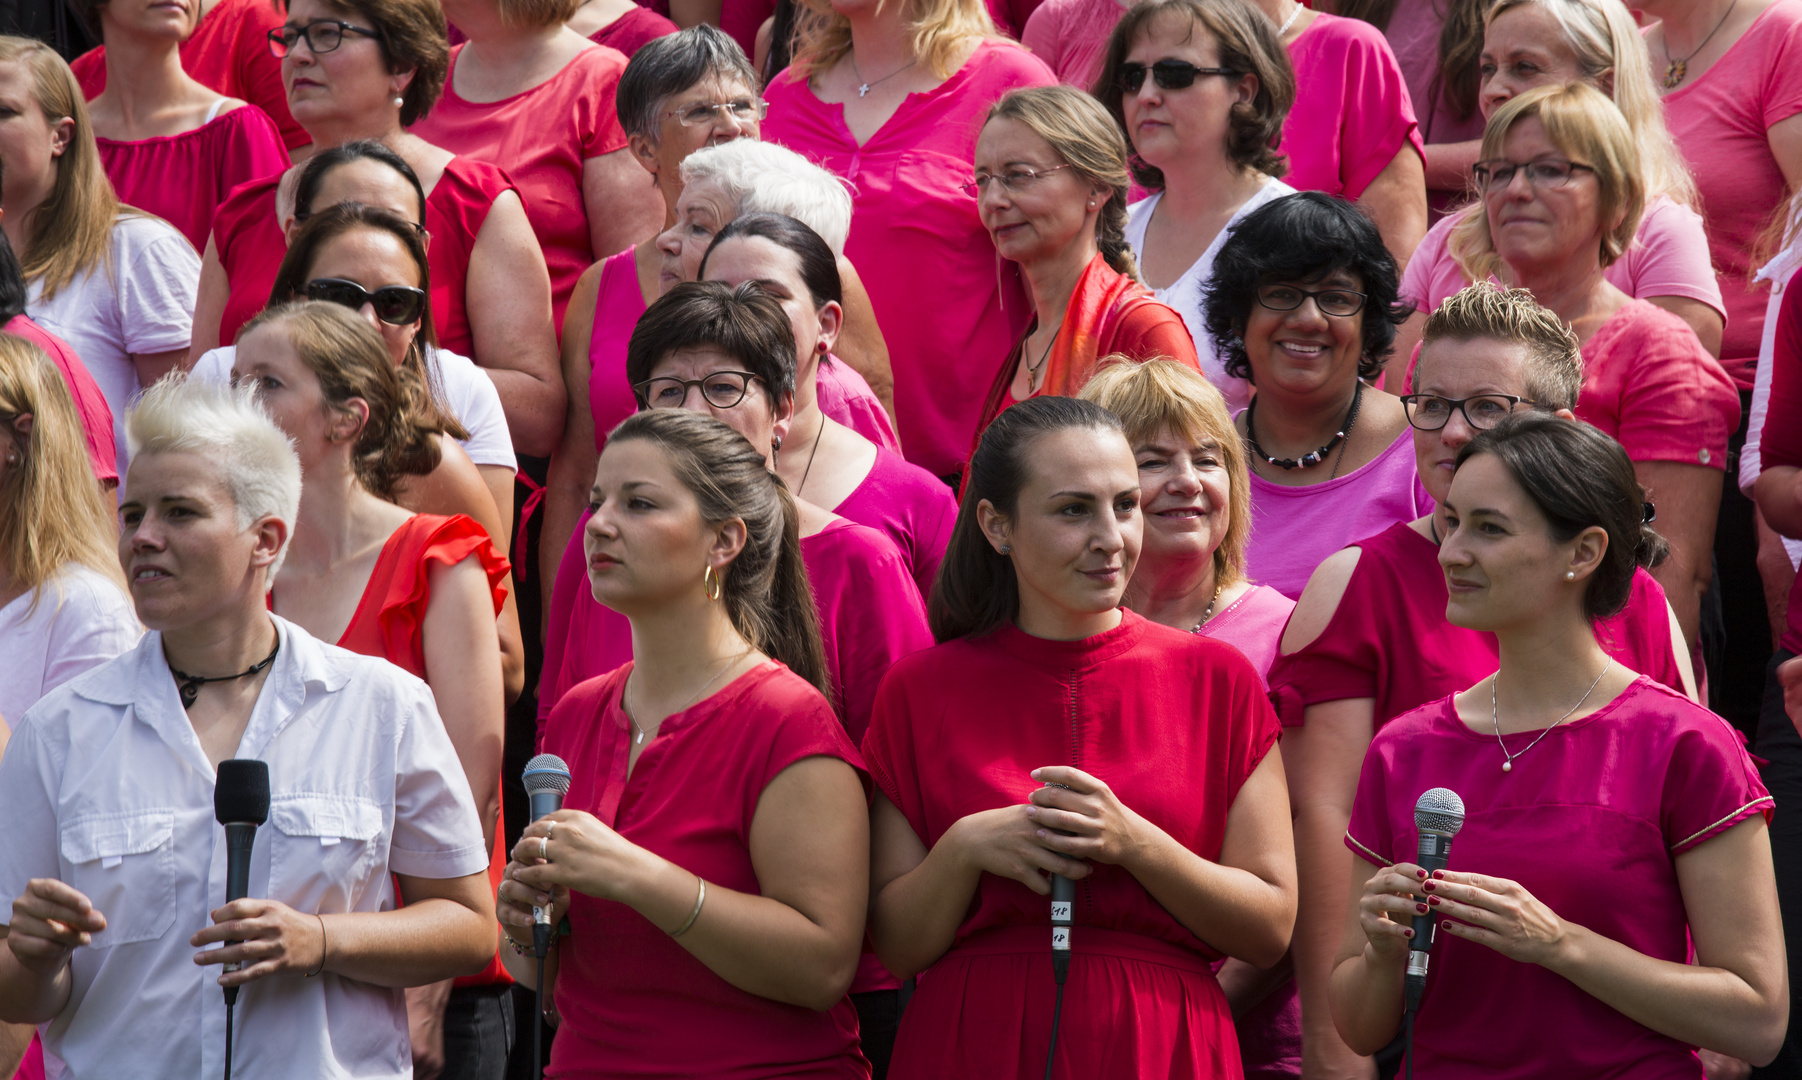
x=396, y=305
x=721, y=389
x=1429, y=412
x=1168, y=75
x=1497, y=173
x=1342, y=303
x=323, y=36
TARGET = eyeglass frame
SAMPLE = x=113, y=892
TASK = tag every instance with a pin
x=1458, y=404
x=640, y=391
x=1314, y=295
x=1132, y=74
x=1482, y=174
x=278, y=37
x=418, y=295
x=713, y=108
x=1025, y=176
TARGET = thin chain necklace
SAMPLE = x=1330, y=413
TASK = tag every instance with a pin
x=818, y=438
x=1679, y=69
x=1032, y=370
x=1495, y=717
x=188, y=686
x=625, y=702
x=863, y=85
x=1209, y=613
x=1306, y=461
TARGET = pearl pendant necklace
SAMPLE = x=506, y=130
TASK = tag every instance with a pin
x=1495, y=717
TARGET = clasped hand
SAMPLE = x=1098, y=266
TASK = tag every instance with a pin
x=1073, y=821
x=270, y=938
x=1490, y=911
x=560, y=852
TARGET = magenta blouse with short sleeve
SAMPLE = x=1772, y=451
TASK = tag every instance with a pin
x=911, y=506
x=1645, y=778
x=1352, y=113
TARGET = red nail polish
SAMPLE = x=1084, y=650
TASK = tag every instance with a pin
x=1420, y=873
x=1433, y=900
x=1420, y=909
x=1407, y=933
x=1439, y=874
x=1429, y=886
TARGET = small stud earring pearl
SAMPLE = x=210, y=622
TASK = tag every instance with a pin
x=1570, y=575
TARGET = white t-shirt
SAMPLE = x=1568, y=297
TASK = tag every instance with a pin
x=466, y=392
x=1185, y=294
x=82, y=620
x=142, y=301
x=105, y=787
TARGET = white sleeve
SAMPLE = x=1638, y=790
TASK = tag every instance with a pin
x=93, y=624
x=28, y=840
x=215, y=365
x=470, y=395
x=159, y=281
x=437, y=832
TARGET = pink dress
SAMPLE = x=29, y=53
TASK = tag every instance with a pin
x=1720, y=121
x=918, y=243
x=1641, y=781
x=90, y=402
x=1389, y=641
x=1071, y=37
x=1649, y=383
x=1294, y=529
x=634, y=1001
x=1352, y=113
x=542, y=137
x=1253, y=624
x=1669, y=257
x=183, y=178
x=636, y=28
x=910, y=506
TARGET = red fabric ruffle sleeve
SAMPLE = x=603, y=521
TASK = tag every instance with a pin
x=389, y=620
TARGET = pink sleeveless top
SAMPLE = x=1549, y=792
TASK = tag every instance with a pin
x=1253, y=624
x=183, y=178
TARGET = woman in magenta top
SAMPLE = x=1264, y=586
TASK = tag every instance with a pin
x=556, y=134
x=1529, y=43
x=1538, y=969
x=711, y=853
x=620, y=25
x=1352, y=129
x=1556, y=211
x=367, y=83
x=1052, y=732
x=892, y=101
x=1302, y=303
x=1369, y=638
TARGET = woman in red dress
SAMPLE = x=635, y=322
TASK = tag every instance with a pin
x=419, y=590
x=1053, y=732
x=712, y=851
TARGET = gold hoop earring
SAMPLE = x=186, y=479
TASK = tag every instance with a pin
x=710, y=580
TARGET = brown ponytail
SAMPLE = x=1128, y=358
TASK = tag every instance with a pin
x=1083, y=134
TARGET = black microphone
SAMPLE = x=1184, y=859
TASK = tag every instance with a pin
x=1438, y=816
x=240, y=803
x=547, y=781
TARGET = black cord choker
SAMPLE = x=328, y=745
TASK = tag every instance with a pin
x=1307, y=461
x=188, y=686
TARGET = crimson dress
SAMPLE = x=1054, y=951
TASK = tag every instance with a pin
x=634, y=1002
x=1174, y=723
x=183, y=178
x=251, y=246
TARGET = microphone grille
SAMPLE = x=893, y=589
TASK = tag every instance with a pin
x=1439, y=810
x=241, y=792
x=547, y=772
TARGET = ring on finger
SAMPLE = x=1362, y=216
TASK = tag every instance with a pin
x=549, y=827
x=544, y=848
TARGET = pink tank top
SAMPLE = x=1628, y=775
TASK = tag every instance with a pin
x=1254, y=624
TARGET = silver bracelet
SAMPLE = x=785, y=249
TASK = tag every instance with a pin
x=699, y=900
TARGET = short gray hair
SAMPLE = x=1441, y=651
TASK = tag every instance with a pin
x=668, y=65
x=764, y=178
x=256, y=460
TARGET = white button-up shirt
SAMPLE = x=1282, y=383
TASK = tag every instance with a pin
x=105, y=786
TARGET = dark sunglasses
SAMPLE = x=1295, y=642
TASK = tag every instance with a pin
x=396, y=304
x=1168, y=74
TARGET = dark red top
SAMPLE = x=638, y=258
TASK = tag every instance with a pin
x=1174, y=723
x=1782, y=441
x=390, y=619
x=1389, y=640
x=634, y=1002
x=229, y=54
x=90, y=404
x=630, y=31
x=251, y=246
x=183, y=178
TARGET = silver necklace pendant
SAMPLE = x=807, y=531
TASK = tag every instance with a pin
x=863, y=89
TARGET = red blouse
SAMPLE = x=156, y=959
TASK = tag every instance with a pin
x=1174, y=723
x=635, y=1003
x=183, y=178
x=251, y=246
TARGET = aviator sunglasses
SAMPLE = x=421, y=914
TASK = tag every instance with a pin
x=1168, y=74
x=394, y=304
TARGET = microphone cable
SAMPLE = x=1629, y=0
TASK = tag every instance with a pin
x=1063, y=904
x=538, y=1028
x=230, y=1006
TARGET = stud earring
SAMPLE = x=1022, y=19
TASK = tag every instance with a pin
x=1570, y=575
x=1007, y=549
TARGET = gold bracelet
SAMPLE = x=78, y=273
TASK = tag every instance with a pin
x=699, y=900
x=322, y=949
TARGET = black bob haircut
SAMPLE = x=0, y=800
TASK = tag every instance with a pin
x=746, y=323
x=1302, y=238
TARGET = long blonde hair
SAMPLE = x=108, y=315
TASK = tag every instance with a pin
x=938, y=30
x=51, y=510
x=72, y=229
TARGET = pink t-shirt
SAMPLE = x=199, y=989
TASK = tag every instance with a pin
x=542, y=138
x=1720, y=121
x=918, y=243
x=1253, y=624
x=1668, y=257
x=911, y=507
x=183, y=178
x=1071, y=37
x=1352, y=112
x=1294, y=529
x=1647, y=777
x=1648, y=383
x=90, y=403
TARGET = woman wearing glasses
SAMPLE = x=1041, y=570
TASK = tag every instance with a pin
x=1562, y=200
x=1369, y=638
x=1303, y=304
x=1200, y=88
x=365, y=71
x=1051, y=188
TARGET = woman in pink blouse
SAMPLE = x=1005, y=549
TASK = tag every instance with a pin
x=1546, y=961
x=891, y=97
